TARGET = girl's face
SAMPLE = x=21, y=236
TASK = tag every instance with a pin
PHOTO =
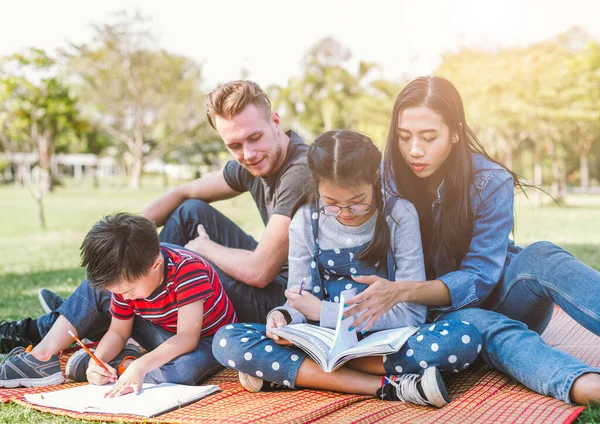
x=424, y=140
x=333, y=195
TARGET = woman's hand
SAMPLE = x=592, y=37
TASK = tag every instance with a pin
x=277, y=320
x=380, y=297
x=306, y=303
x=130, y=381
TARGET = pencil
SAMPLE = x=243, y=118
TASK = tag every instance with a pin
x=302, y=285
x=98, y=361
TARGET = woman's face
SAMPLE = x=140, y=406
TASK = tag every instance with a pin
x=424, y=140
x=333, y=195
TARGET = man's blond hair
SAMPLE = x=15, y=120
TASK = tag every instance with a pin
x=229, y=99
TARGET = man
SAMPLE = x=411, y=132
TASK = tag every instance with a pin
x=270, y=164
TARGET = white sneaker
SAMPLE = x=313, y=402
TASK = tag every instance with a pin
x=421, y=389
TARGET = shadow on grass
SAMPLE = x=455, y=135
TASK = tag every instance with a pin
x=18, y=294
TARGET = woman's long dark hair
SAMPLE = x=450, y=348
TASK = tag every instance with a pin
x=346, y=159
x=445, y=242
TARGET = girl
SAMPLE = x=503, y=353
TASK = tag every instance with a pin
x=343, y=232
x=476, y=273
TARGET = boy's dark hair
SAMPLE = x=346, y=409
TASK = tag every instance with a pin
x=348, y=158
x=119, y=246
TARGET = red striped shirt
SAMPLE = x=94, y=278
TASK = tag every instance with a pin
x=188, y=278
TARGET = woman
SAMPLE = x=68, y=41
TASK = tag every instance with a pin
x=475, y=272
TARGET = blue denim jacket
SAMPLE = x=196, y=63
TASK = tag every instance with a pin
x=491, y=248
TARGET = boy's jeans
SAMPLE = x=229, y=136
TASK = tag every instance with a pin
x=520, y=309
x=88, y=311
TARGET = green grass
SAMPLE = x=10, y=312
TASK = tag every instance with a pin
x=34, y=258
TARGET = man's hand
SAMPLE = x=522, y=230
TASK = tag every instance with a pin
x=277, y=320
x=130, y=381
x=308, y=304
x=197, y=244
x=99, y=376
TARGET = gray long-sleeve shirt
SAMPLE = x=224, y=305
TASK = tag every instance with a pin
x=403, y=223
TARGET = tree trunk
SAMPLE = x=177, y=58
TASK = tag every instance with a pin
x=584, y=171
x=555, y=172
x=138, y=156
x=537, y=165
x=508, y=156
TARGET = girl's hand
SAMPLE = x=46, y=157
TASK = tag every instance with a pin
x=380, y=297
x=130, y=381
x=306, y=303
x=99, y=376
x=276, y=320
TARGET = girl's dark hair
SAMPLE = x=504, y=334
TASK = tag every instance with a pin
x=446, y=241
x=346, y=159
x=119, y=246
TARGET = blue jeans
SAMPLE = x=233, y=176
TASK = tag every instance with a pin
x=520, y=308
x=88, y=311
x=252, y=304
x=449, y=345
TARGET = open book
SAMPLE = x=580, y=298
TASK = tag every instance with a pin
x=153, y=399
x=332, y=348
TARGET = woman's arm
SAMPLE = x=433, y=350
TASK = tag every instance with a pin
x=478, y=274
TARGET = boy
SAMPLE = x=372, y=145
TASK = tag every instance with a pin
x=167, y=298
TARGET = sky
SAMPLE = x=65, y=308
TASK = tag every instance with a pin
x=268, y=39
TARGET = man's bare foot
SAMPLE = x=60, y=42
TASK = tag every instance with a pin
x=586, y=389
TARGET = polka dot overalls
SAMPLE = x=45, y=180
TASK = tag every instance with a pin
x=449, y=345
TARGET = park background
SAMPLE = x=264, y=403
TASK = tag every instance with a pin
x=102, y=108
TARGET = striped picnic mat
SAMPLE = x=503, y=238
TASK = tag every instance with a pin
x=479, y=395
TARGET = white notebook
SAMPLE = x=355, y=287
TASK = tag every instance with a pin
x=153, y=399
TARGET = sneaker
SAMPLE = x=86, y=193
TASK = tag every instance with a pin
x=13, y=334
x=21, y=368
x=78, y=362
x=421, y=389
x=256, y=384
x=49, y=300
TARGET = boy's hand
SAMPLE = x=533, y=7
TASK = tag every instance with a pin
x=130, y=381
x=308, y=304
x=276, y=320
x=98, y=375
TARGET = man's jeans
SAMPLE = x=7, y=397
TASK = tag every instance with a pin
x=252, y=304
x=88, y=311
x=520, y=309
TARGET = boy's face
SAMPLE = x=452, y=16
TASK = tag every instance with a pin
x=144, y=286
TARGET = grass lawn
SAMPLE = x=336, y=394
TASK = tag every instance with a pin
x=35, y=258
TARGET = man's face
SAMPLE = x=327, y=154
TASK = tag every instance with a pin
x=254, y=139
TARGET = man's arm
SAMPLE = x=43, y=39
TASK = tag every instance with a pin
x=254, y=267
x=209, y=188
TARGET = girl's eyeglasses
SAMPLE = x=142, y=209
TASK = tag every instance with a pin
x=355, y=208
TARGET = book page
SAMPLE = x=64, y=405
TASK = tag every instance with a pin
x=344, y=339
x=152, y=400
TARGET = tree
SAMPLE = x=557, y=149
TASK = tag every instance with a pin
x=37, y=108
x=147, y=99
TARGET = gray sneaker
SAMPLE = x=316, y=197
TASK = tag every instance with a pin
x=21, y=368
x=49, y=300
x=78, y=362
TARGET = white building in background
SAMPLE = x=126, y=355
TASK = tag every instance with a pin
x=83, y=165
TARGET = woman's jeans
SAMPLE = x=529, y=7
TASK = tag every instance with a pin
x=451, y=346
x=521, y=307
x=88, y=311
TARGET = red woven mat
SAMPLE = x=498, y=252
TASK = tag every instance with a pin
x=478, y=395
